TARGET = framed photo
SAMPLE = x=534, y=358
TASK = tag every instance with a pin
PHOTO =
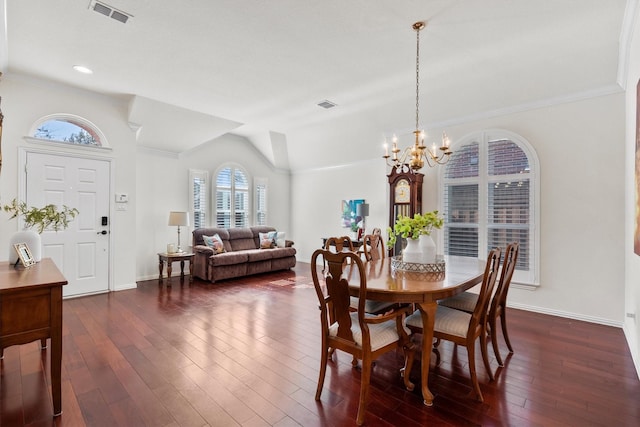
x=24, y=254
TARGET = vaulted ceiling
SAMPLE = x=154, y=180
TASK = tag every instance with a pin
x=198, y=69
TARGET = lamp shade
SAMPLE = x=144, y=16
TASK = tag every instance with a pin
x=179, y=218
x=362, y=209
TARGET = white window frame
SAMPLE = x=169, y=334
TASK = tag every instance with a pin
x=524, y=278
x=233, y=190
x=202, y=176
x=260, y=185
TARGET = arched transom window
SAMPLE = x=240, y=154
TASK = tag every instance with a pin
x=68, y=129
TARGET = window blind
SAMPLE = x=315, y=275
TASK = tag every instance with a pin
x=198, y=197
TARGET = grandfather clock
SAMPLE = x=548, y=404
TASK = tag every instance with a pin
x=405, y=196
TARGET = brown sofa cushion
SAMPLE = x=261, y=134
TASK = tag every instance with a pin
x=229, y=258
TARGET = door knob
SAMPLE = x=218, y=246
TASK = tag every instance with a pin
x=102, y=232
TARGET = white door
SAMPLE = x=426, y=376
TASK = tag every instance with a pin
x=81, y=252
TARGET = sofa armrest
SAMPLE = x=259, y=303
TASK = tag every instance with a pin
x=288, y=243
x=201, y=249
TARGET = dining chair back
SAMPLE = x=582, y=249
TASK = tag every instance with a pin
x=464, y=328
x=363, y=336
x=339, y=244
x=498, y=308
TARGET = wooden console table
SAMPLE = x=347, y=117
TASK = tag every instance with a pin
x=30, y=310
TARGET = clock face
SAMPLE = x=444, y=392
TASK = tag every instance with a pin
x=402, y=191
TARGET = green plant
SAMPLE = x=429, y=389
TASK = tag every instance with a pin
x=42, y=218
x=407, y=227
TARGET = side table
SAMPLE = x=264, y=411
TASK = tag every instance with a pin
x=164, y=257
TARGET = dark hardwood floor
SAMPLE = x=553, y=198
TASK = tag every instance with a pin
x=246, y=352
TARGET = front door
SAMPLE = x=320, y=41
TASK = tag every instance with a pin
x=81, y=251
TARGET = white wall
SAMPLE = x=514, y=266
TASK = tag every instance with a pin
x=24, y=101
x=632, y=199
x=162, y=183
x=580, y=146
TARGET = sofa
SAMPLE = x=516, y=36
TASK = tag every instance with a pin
x=242, y=255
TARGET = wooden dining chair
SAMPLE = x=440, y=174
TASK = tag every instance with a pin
x=466, y=301
x=358, y=333
x=372, y=247
x=464, y=328
x=339, y=244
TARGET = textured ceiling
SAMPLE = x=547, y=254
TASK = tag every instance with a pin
x=258, y=68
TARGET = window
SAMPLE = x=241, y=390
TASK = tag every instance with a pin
x=232, y=198
x=68, y=129
x=261, y=201
x=198, y=197
x=489, y=198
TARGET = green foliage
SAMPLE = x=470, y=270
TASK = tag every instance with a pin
x=407, y=227
x=42, y=218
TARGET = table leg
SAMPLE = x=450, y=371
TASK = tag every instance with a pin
x=428, y=313
x=160, y=267
x=169, y=270
x=56, y=350
x=181, y=270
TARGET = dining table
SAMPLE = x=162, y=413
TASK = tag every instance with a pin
x=387, y=283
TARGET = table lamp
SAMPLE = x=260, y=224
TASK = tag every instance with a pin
x=362, y=210
x=179, y=219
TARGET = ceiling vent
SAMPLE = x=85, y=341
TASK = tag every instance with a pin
x=109, y=11
x=326, y=104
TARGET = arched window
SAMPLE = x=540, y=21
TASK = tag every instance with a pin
x=490, y=198
x=232, y=198
x=68, y=129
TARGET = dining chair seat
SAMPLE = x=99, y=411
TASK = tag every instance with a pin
x=373, y=307
x=382, y=334
x=465, y=301
x=448, y=320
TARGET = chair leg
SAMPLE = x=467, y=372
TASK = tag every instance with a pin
x=43, y=343
x=409, y=349
x=364, y=388
x=494, y=341
x=323, y=370
x=471, y=351
x=485, y=354
x=503, y=323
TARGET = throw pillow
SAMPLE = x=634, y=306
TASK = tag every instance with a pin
x=266, y=240
x=214, y=242
x=280, y=239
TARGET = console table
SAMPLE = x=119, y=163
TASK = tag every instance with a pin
x=30, y=310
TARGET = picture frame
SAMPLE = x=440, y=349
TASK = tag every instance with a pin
x=24, y=254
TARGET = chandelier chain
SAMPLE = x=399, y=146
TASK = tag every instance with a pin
x=417, y=78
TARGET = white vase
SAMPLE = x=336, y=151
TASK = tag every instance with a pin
x=412, y=252
x=33, y=241
x=428, y=248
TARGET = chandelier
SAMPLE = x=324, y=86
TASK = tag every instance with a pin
x=417, y=154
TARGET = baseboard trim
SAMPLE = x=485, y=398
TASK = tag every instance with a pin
x=568, y=315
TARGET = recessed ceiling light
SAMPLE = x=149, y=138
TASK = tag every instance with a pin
x=82, y=69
